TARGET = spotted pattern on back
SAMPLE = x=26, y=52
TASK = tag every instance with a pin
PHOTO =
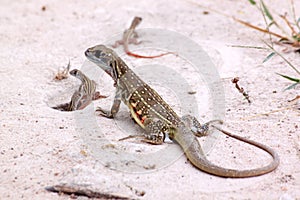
x=147, y=103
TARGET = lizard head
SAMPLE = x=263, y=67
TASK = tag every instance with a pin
x=107, y=60
x=78, y=74
x=74, y=72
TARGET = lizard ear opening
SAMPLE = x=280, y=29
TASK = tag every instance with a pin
x=114, y=69
x=111, y=65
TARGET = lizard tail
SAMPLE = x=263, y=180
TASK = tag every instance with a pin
x=142, y=56
x=194, y=153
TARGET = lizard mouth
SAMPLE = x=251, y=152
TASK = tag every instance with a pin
x=86, y=53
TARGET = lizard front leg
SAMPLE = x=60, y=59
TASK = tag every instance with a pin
x=75, y=101
x=84, y=102
x=114, y=108
x=198, y=129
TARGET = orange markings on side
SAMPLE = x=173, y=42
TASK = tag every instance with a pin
x=143, y=119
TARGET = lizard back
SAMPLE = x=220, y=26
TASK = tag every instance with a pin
x=143, y=101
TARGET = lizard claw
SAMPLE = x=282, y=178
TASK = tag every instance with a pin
x=104, y=113
x=101, y=111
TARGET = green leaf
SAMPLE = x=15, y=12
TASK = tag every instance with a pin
x=290, y=78
x=252, y=2
x=296, y=37
x=269, y=56
x=266, y=10
x=298, y=21
x=291, y=86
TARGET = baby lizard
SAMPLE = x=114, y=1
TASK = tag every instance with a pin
x=87, y=92
x=82, y=97
x=129, y=37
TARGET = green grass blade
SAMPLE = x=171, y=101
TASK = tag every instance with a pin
x=269, y=57
x=249, y=47
x=290, y=78
x=252, y=2
x=269, y=25
x=296, y=37
x=279, y=54
x=291, y=86
x=266, y=10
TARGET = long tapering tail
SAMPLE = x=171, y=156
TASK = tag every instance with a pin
x=194, y=153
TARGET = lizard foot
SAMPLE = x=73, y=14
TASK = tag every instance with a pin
x=198, y=129
x=104, y=113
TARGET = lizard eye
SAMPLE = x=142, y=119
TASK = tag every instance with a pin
x=97, y=53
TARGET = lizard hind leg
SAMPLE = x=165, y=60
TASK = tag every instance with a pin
x=114, y=108
x=196, y=127
x=155, y=132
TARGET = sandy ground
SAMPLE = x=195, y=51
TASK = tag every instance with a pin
x=42, y=147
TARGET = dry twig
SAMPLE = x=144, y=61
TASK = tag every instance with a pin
x=79, y=190
x=63, y=74
x=240, y=89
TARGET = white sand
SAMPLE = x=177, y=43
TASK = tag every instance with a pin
x=42, y=147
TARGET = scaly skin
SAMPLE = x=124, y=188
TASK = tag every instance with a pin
x=82, y=97
x=154, y=115
x=87, y=91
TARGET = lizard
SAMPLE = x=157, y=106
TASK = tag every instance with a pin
x=129, y=37
x=158, y=119
x=85, y=94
